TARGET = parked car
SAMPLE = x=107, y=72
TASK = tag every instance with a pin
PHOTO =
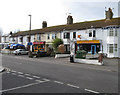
x=20, y=51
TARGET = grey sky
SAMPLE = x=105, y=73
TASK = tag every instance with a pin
x=14, y=13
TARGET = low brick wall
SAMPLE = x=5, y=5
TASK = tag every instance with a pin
x=62, y=55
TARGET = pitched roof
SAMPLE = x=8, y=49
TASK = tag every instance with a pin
x=74, y=26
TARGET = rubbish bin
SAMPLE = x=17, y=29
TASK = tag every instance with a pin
x=81, y=54
x=71, y=58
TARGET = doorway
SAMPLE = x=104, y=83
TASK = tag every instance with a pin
x=93, y=49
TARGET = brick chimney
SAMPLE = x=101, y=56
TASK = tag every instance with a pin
x=109, y=14
x=69, y=20
x=44, y=24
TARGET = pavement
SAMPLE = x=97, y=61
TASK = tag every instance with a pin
x=109, y=64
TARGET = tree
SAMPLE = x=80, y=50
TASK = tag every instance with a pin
x=56, y=42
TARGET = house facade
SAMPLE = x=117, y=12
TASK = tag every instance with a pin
x=92, y=36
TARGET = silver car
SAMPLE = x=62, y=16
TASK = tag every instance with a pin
x=20, y=51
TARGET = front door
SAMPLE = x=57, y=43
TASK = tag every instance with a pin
x=93, y=49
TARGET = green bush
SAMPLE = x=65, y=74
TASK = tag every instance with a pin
x=56, y=42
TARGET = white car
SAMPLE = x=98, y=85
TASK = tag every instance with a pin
x=20, y=51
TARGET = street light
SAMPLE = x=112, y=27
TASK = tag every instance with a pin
x=29, y=33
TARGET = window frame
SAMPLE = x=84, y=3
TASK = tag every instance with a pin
x=115, y=47
x=90, y=34
x=48, y=36
x=74, y=34
x=116, y=32
x=54, y=36
x=94, y=33
x=111, y=50
x=111, y=32
x=66, y=35
x=38, y=37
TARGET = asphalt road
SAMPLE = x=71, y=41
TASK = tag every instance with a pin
x=30, y=75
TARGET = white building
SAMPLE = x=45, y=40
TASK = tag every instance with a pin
x=94, y=36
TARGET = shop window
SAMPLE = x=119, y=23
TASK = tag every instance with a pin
x=110, y=48
x=90, y=34
x=74, y=34
x=94, y=33
x=66, y=35
x=48, y=36
x=115, y=47
x=111, y=32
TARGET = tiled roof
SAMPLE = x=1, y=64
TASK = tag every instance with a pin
x=74, y=26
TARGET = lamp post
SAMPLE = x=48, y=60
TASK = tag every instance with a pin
x=29, y=33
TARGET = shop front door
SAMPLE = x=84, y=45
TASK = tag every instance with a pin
x=93, y=49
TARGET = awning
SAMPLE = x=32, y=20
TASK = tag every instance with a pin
x=11, y=45
x=88, y=41
x=18, y=45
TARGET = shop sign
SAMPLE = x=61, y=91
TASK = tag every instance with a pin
x=88, y=41
x=79, y=36
x=38, y=43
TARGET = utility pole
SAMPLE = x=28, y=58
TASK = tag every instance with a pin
x=29, y=34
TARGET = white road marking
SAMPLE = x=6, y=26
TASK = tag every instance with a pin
x=20, y=72
x=36, y=77
x=20, y=87
x=29, y=78
x=46, y=79
x=20, y=75
x=7, y=72
x=40, y=81
x=18, y=62
x=27, y=74
x=14, y=73
x=73, y=86
x=91, y=91
x=58, y=82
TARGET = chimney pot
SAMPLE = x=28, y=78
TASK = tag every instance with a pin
x=44, y=24
x=69, y=19
x=109, y=14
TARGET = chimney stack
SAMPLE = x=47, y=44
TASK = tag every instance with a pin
x=109, y=14
x=44, y=24
x=69, y=20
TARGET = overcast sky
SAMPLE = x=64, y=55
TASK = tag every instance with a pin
x=14, y=13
